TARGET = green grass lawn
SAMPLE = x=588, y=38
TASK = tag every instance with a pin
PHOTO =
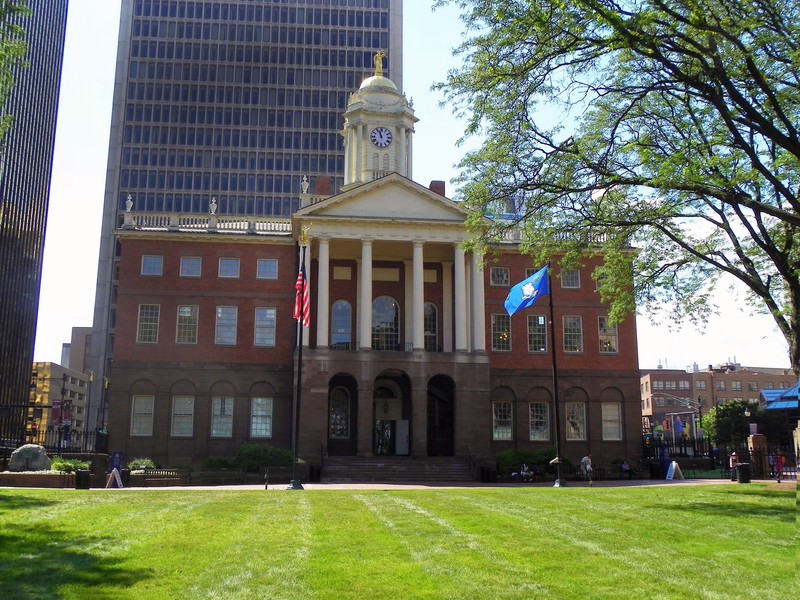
x=682, y=541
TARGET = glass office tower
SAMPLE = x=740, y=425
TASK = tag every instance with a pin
x=26, y=156
x=234, y=100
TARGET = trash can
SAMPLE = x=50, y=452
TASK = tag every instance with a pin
x=315, y=473
x=655, y=471
x=125, y=476
x=743, y=473
x=82, y=479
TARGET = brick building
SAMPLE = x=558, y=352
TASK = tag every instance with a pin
x=410, y=353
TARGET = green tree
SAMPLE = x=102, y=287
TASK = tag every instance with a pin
x=665, y=126
x=12, y=52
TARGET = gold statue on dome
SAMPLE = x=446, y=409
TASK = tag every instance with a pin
x=379, y=56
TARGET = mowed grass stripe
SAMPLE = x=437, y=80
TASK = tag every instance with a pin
x=717, y=541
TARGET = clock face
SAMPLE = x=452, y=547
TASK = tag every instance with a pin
x=381, y=137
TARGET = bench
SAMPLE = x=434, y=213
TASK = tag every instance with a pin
x=162, y=477
x=276, y=475
x=512, y=474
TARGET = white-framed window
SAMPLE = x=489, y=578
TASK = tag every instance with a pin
x=341, y=325
x=671, y=385
x=221, y=416
x=191, y=266
x=573, y=334
x=720, y=386
x=683, y=384
x=385, y=324
x=339, y=415
x=658, y=384
x=570, y=279
x=142, y=415
x=265, y=327
x=228, y=268
x=147, y=328
x=752, y=386
x=152, y=265
x=768, y=385
x=182, y=416
x=700, y=384
x=227, y=318
x=267, y=268
x=431, y=327
x=612, y=421
x=499, y=277
x=502, y=420
x=539, y=423
x=736, y=386
x=261, y=417
x=576, y=420
x=501, y=332
x=608, y=335
x=537, y=333
x=186, y=327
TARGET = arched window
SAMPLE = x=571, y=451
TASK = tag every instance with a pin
x=341, y=325
x=385, y=324
x=431, y=324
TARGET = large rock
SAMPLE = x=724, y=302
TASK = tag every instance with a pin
x=30, y=457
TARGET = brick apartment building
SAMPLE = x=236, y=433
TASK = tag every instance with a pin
x=410, y=353
x=669, y=391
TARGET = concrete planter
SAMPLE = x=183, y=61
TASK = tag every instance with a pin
x=37, y=480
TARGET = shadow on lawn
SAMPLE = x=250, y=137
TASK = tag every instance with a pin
x=38, y=561
x=728, y=502
x=12, y=502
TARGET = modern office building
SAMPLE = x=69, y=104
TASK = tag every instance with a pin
x=228, y=103
x=409, y=360
x=26, y=158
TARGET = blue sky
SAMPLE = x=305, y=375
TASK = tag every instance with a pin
x=78, y=185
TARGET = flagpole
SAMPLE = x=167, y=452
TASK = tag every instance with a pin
x=295, y=484
x=558, y=482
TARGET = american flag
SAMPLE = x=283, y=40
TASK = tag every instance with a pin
x=302, y=304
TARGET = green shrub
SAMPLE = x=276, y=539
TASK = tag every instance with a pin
x=137, y=464
x=214, y=463
x=68, y=465
x=251, y=457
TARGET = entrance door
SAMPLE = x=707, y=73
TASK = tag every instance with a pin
x=401, y=445
x=440, y=416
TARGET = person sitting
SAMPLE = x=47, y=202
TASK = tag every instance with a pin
x=626, y=469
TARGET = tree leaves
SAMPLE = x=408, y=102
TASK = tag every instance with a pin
x=675, y=150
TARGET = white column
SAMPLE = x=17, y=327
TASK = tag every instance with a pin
x=478, y=306
x=365, y=300
x=447, y=306
x=419, y=296
x=323, y=294
x=359, y=149
x=410, y=153
x=408, y=303
x=460, y=300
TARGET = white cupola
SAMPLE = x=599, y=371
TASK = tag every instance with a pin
x=378, y=130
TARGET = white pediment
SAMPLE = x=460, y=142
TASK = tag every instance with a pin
x=390, y=198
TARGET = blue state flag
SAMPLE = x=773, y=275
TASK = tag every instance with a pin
x=528, y=291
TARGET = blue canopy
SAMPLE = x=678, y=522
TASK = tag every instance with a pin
x=783, y=400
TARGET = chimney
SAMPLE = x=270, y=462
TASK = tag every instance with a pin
x=437, y=187
x=324, y=185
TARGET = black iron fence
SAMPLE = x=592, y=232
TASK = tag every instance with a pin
x=62, y=440
x=702, y=458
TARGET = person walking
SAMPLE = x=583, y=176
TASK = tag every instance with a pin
x=733, y=462
x=780, y=462
x=586, y=467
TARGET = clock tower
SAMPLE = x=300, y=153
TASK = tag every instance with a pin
x=378, y=130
